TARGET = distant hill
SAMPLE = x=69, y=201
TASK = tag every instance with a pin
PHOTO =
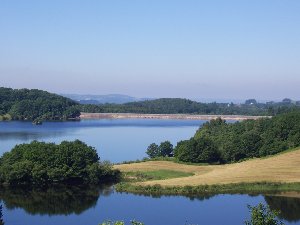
x=178, y=105
x=26, y=104
x=103, y=99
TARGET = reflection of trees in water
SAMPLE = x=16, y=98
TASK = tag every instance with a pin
x=54, y=200
x=26, y=135
x=289, y=207
x=199, y=197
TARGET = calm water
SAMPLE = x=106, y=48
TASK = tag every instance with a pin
x=115, y=140
x=119, y=140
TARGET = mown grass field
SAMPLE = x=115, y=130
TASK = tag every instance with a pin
x=281, y=168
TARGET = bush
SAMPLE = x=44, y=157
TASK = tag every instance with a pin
x=263, y=215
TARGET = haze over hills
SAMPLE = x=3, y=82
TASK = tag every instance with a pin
x=121, y=99
x=102, y=99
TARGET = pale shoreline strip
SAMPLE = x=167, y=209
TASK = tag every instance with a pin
x=166, y=116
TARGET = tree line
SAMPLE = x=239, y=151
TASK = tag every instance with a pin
x=220, y=142
x=25, y=104
x=178, y=105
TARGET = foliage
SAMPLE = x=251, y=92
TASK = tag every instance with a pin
x=236, y=188
x=165, y=149
x=263, y=215
x=152, y=150
x=178, y=105
x=218, y=141
x=197, y=151
x=25, y=104
x=40, y=163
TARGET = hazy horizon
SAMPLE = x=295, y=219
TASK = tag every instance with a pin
x=187, y=49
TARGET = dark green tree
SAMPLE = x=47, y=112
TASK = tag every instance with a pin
x=165, y=149
x=153, y=150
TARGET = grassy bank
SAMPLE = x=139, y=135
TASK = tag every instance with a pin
x=282, y=168
x=271, y=174
x=254, y=188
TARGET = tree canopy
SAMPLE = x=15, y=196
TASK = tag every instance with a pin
x=165, y=149
x=40, y=163
x=219, y=141
x=25, y=104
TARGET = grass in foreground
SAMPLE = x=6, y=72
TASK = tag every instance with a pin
x=154, y=175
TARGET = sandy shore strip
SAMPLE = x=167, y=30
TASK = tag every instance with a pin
x=165, y=116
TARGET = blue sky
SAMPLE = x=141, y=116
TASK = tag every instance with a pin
x=153, y=48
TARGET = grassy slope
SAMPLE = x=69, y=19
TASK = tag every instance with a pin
x=283, y=168
x=154, y=175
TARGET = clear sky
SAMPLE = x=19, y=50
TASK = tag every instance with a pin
x=153, y=48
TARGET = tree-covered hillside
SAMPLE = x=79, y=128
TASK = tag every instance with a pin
x=178, y=105
x=218, y=141
x=25, y=104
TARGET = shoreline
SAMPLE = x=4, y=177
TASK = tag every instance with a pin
x=278, y=172
x=166, y=116
x=215, y=189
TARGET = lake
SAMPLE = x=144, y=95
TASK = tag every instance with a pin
x=117, y=141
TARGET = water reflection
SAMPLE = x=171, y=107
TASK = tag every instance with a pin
x=63, y=201
x=289, y=206
x=27, y=136
x=55, y=200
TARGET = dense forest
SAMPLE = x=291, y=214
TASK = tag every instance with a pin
x=220, y=142
x=40, y=164
x=25, y=104
x=178, y=105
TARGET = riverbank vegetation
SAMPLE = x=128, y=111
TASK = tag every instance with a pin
x=41, y=164
x=219, y=142
x=25, y=104
x=193, y=191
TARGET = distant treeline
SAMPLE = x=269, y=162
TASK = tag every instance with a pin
x=178, y=105
x=220, y=142
x=25, y=104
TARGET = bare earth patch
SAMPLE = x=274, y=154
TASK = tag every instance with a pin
x=280, y=168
